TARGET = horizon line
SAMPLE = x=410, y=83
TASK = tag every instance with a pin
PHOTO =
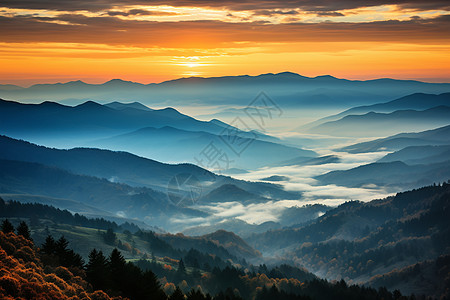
x=228, y=76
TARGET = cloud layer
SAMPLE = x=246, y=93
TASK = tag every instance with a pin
x=308, y=5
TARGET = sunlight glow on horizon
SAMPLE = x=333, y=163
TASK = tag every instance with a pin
x=155, y=43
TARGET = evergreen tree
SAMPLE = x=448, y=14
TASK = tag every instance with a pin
x=152, y=287
x=7, y=227
x=195, y=295
x=96, y=270
x=181, y=267
x=177, y=294
x=24, y=231
x=116, y=264
x=61, y=245
x=110, y=237
x=49, y=246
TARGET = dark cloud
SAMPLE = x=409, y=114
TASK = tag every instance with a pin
x=115, y=31
x=307, y=5
x=266, y=12
x=329, y=14
x=139, y=12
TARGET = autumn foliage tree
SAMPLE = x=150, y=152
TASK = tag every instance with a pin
x=22, y=275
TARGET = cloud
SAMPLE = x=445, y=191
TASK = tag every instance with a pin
x=300, y=180
x=274, y=12
x=235, y=5
x=79, y=28
x=330, y=14
x=139, y=12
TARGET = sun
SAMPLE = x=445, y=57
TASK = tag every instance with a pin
x=190, y=62
x=192, y=65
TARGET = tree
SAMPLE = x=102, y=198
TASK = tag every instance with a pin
x=96, y=270
x=59, y=254
x=152, y=287
x=117, y=265
x=177, y=294
x=110, y=237
x=195, y=295
x=7, y=227
x=61, y=244
x=24, y=231
x=181, y=267
x=49, y=245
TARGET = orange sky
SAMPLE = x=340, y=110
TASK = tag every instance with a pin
x=98, y=40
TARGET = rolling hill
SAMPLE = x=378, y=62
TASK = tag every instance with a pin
x=417, y=101
x=87, y=121
x=414, y=155
x=382, y=124
x=122, y=167
x=176, y=145
x=374, y=242
x=393, y=176
x=438, y=136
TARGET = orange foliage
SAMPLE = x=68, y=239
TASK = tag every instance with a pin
x=170, y=260
x=261, y=280
x=23, y=277
x=169, y=288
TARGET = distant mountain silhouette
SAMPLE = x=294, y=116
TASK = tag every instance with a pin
x=438, y=136
x=276, y=178
x=177, y=145
x=416, y=155
x=120, y=106
x=89, y=120
x=417, y=101
x=231, y=193
x=125, y=168
x=289, y=89
x=307, y=161
x=376, y=124
x=393, y=176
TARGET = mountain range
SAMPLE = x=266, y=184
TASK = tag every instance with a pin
x=416, y=101
x=155, y=134
x=373, y=242
x=177, y=145
x=124, y=185
x=374, y=124
x=289, y=90
x=437, y=136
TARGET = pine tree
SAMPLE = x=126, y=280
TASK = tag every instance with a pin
x=152, y=287
x=181, y=266
x=61, y=246
x=96, y=270
x=110, y=237
x=24, y=231
x=117, y=263
x=177, y=294
x=7, y=227
x=49, y=245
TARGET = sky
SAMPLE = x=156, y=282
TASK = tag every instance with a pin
x=152, y=41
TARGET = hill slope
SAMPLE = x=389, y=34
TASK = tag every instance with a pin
x=438, y=136
x=379, y=124
x=173, y=144
x=357, y=241
x=126, y=168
